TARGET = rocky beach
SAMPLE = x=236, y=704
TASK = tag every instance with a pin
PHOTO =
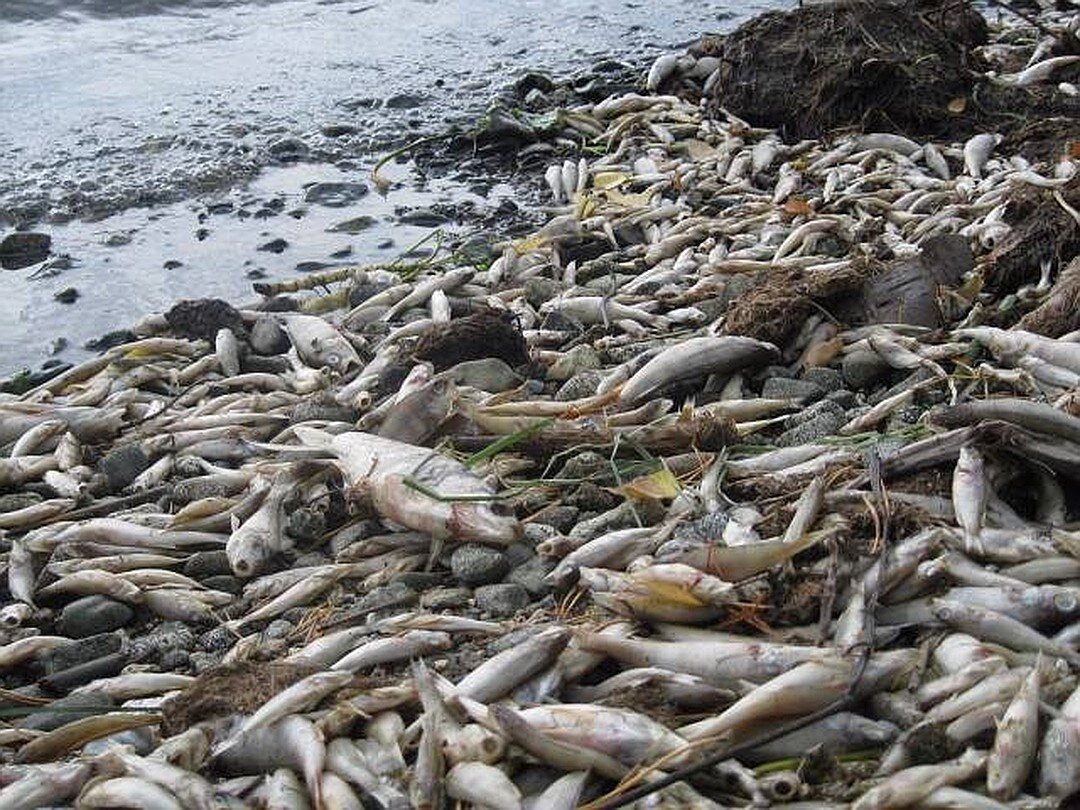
x=736, y=469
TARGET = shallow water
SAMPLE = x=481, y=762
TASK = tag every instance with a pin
x=126, y=124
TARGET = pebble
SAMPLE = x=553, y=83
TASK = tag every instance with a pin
x=204, y=564
x=818, y=428
x=473, y=564
x=278, y=628
x=530, y=576
x=93, y=614
x=578, y=359
x=59, y=712
x=801, y=390
x=504, y=599
x=87, y=648
x=579, y=386
x=123, y=465
x=828, y=379
x=269, y=337
x=862, y=369
x=445, y=598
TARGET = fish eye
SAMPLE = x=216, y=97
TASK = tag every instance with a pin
x=1065, y=602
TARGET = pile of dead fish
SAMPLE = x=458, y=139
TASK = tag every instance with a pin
x=544, y=532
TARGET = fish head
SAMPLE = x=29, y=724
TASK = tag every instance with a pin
x=480, y=522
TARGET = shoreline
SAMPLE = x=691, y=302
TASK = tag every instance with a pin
x=756, y=444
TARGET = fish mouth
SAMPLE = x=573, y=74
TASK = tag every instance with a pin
x=479, y=523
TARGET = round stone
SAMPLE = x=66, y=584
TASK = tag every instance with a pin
x=474, y=565
x=502, y=600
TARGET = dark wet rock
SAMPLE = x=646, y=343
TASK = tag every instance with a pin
x=288, y=150
x=68, y=295
x=104, y=667
x=532, y=80
x=204, y=564
x=473, y=564
x=800, y=390
x=335, y=195
x=172, y=264
x=862, y=369
x=14, y=501
x=502, y=600
x=269, y=337
x=424, y=218
x=24, y=248
x=354, y=225
x=87, y=648
x=264, y=364
x=311, y=267
x=224, y=582
x=445, y=598
x=203, y=318
x=63, y=710
x=530, y=576
x=589, y=497
x=522, y=552
x=421, y=581
x=337, y=130
x=278, y=245
x=92, y=615
x=123, y=465
x=404, y=101
x=110, y=339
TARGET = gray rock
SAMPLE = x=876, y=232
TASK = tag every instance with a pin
x=204, y=661
x=203, y=564
x=59, y=712
x=306, y=523
x=335, y=195
x=175, y=660
x=217, y=640
x=827, y=378
x=519, y=553
x=504, y=599
x=420, y=581
x=781, y=388
x=553, y=520
x=445, y=598
x=91, y=615
x=269, y=337
x=578, y=359
x=83, y=650
x=530, y=576
x=123, y=465
x=844, y=398
x=534, y=533
x=862, y=369
x=580, y=386
x=474, y=564
x=583, y=465
x=823, y=406
x=278, y=628
x=818, y=428
x=541, y=290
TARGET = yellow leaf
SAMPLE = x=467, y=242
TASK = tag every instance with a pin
x=658, y=486
x=604, y=180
